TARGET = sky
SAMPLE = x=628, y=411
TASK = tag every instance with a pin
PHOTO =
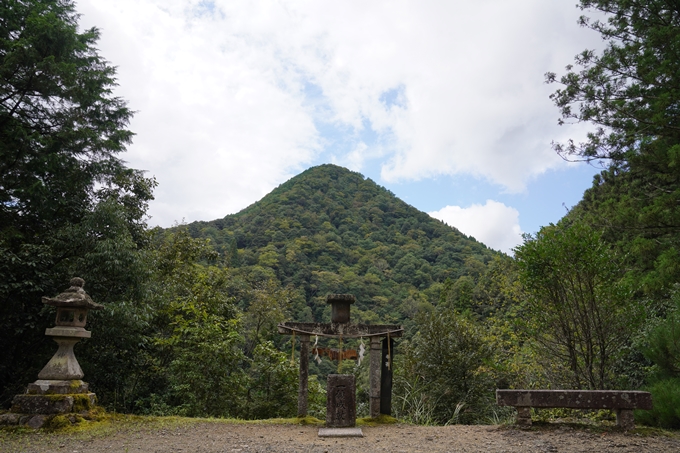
x=442, y=102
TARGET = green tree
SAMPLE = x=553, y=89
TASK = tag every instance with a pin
x=330, y=230
x=269, y=305
x=443, y=376
x=178, y=347
x=458, y=295
x=273, y=385
x=206, y=376
x=68, y=205
x=630, y=92
x=578, y=313
x=662, y=347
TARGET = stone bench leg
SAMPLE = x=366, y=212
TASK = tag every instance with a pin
x=523, y=416
x=625, y=418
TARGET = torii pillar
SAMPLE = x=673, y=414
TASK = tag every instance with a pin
x=304, y=376
x=374, y=376
x=341, y=327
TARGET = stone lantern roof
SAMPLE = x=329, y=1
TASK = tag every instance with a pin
x=74, y=297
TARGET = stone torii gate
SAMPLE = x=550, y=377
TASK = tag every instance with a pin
x=341, y=327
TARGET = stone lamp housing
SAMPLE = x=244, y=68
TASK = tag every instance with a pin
x=59, y=389
x=72, y=307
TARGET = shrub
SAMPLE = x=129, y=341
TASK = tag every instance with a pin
x=666, y=412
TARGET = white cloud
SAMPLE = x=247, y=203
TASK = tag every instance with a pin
x=493, y=223
x=226, y=112
x=214, y=124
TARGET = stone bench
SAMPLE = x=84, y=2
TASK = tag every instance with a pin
x=621, y=401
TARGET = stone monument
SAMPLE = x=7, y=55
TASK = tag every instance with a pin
x=341, y=401
x=59, y=388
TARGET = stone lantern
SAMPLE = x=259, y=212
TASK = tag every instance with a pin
x=59, y=388
x=72, y=307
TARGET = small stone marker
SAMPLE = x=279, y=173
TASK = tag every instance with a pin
x=340, y=401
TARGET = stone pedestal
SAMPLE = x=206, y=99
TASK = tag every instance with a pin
x=625, y=418
x=63, y=365
x=340, y=401
x=57, y=387
x=45, y=399
x=523, y=417
x=79, y=403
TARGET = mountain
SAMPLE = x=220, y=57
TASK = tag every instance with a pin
x=331, y=230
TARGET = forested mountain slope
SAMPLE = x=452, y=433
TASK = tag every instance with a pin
x=330, y=230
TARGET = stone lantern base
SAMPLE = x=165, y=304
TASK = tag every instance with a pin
x=58, y=390
x=46, y=399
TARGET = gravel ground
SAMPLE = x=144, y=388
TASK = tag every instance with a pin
x=217, y=436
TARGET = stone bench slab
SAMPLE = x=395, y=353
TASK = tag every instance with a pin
x=575, y=399
x=621, y=401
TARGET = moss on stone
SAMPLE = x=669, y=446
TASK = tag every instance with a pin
x=381, y=419
x=309, y=420
x=81, y=402
x=55, y=397
x=56, y=422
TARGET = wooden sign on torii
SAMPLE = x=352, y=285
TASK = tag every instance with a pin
x=341, y=327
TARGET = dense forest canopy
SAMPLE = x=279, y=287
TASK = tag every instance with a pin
x=330, y=230
x=630, y=93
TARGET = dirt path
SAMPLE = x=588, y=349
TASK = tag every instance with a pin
x=208, y=436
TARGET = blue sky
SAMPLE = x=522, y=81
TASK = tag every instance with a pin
x=545, y=200
x=442, y=102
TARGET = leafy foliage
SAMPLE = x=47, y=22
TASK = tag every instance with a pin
x=444, y=376
x=189, y=324
x=663, y=349
x=273, y=391
x=666, y=411
x=579, y=313
x=629, y=91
